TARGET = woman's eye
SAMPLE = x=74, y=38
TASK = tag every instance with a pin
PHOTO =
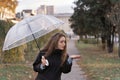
x=62, y=41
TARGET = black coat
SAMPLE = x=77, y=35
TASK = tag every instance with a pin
x=54, y=70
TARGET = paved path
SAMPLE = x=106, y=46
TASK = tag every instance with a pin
x=76, y=73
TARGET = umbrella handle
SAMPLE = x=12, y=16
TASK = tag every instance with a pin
x=34, y=37
x=36, y=42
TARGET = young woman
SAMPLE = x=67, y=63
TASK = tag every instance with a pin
x=53, y=59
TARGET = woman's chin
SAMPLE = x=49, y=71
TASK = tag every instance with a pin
x=61, y=48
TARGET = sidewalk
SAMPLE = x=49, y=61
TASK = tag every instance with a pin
x=76, y=73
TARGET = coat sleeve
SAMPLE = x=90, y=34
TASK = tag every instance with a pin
x=66, y=67
x=37, y=64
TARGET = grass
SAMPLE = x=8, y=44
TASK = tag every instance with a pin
x=98, y=64
x=19, y=71
x=16, y=72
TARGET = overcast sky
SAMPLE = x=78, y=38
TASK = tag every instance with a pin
x=60, y=6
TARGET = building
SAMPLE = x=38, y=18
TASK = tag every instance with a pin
x=66, y=26
x=45, y=9
x=28, y=12
x=65, y=18
x=25, y=13
x=50, y=10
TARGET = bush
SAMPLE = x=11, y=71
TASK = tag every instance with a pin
x=4, y=27
x=90, y=41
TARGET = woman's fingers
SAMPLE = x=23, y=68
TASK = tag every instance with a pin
x=75, y=56
x=43, y=60
x=43, y=57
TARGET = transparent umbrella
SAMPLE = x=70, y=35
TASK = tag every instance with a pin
x=29, y=29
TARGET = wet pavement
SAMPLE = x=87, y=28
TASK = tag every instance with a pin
x=76, y=72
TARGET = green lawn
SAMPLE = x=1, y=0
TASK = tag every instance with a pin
x=16, y=72
x=98, y=64
x=19, y=71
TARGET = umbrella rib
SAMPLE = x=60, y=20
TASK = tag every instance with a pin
x=33, y=37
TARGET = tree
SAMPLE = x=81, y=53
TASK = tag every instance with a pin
x=114, y=17
x=7, y=5
x=90, y=17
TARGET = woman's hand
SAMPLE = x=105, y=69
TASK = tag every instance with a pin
x=75, y=56
x=44, y=61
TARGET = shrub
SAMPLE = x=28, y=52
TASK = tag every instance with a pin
x=90, y=41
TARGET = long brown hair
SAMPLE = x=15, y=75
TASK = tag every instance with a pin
x=53, y=43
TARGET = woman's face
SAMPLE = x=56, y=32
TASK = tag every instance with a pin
x=61, y=43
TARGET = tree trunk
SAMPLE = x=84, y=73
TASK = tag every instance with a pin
x=103, y=42
x=81, y=37
x=109, y=45
x=119, y=45
x=110, y=42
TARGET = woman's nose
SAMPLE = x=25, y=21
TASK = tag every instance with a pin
x=64, y=44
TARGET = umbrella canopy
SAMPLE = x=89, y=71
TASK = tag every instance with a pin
x=29, y=29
